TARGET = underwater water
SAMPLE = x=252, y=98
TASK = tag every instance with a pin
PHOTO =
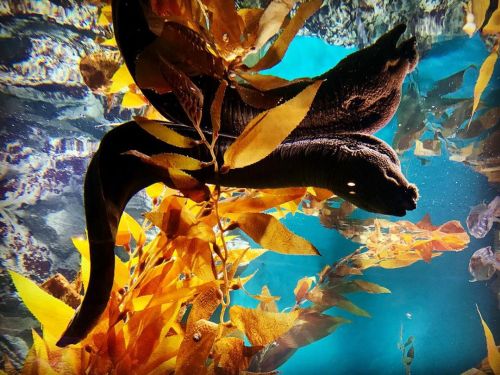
x=51, y=124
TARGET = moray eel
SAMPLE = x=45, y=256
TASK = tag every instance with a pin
x=332, y=148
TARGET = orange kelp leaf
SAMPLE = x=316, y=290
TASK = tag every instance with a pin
x=121, y=80
x=262, y=327
x=268, y=129
x=166, y=349
x=178, y=161
x=271, y=234
x=196, y=347
x=52, y=313
x=226, y=26
x=303, y=286
x=181, y=180
x=276, y=52
x=128, y=225
x=260, y=202
x=156, y=190
x=231, y=356
x=204, y=304
x=174, y=219
x=493, y=353
x=352, y=286
x=105, y=16
x=247, y=257
x=133, y=100
x=216, y=108
x=161, y=131
x=271, y=20
x=264, y=82
x=493, y=25
x=250, y=17
x=310, y=327
x=268, y=304
x=37, y=361
x=485, y=74
x=479, y=8
x=82, y=245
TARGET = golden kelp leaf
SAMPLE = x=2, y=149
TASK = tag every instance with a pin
x=247, y=257
x=303, y=286
x=228, y=354
x=204, y=304
x=37, y=360
x=271, y=234
x=262, y=327
x=178, y=161
x=310, y=327
x=128, y=223
x=53, y=314
x=347, y=305
x=276, y=52
x=216, y=108
x=82, y=245
x=195, y=348
x=493, y=353
x=493, y=25
x=271, y=20
x=121, y=80
x=156, y=190
x=250, y=17
x=264, y=82
x=260, y=202
x=268, y=129
x=485, y=74
x=352, y=286
x=479, y=8
x=226, y=26
x=161, y=131
x=165, y=351
x=111, y=42
x=105, y=17
x=133, y=100
x=269, y=304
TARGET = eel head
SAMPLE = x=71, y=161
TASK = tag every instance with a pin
x=368, y=83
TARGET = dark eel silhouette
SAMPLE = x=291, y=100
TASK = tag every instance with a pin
x=330, y=148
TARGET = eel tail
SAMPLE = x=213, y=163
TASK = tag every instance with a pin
x=112, y=178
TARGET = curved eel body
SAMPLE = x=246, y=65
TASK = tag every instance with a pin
x=330, y=148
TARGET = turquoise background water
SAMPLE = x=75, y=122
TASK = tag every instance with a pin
x=442, y=302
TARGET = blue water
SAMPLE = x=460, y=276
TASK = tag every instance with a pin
x=442, y=302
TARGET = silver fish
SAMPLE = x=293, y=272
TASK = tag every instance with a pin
x=483, y=264
x=481, y=217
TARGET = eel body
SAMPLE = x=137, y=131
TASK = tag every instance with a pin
x=332, y=148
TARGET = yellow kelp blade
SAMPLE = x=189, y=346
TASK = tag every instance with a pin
x=161, y=131
x=262, y=327
x=195, y=348
x=271, y=20
x=267, y=231
x=121, y=80
x=52, y=313
x=82, y=245
x=171, y=160
x=276, y=52
x=268, y=129
x=479, y=8
x=493, y=25
x=493, y=353
x=133, y=100
x=485, y=74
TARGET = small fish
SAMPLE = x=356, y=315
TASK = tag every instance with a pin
x=409, y=315
x=483, y=264
x=481, y=218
